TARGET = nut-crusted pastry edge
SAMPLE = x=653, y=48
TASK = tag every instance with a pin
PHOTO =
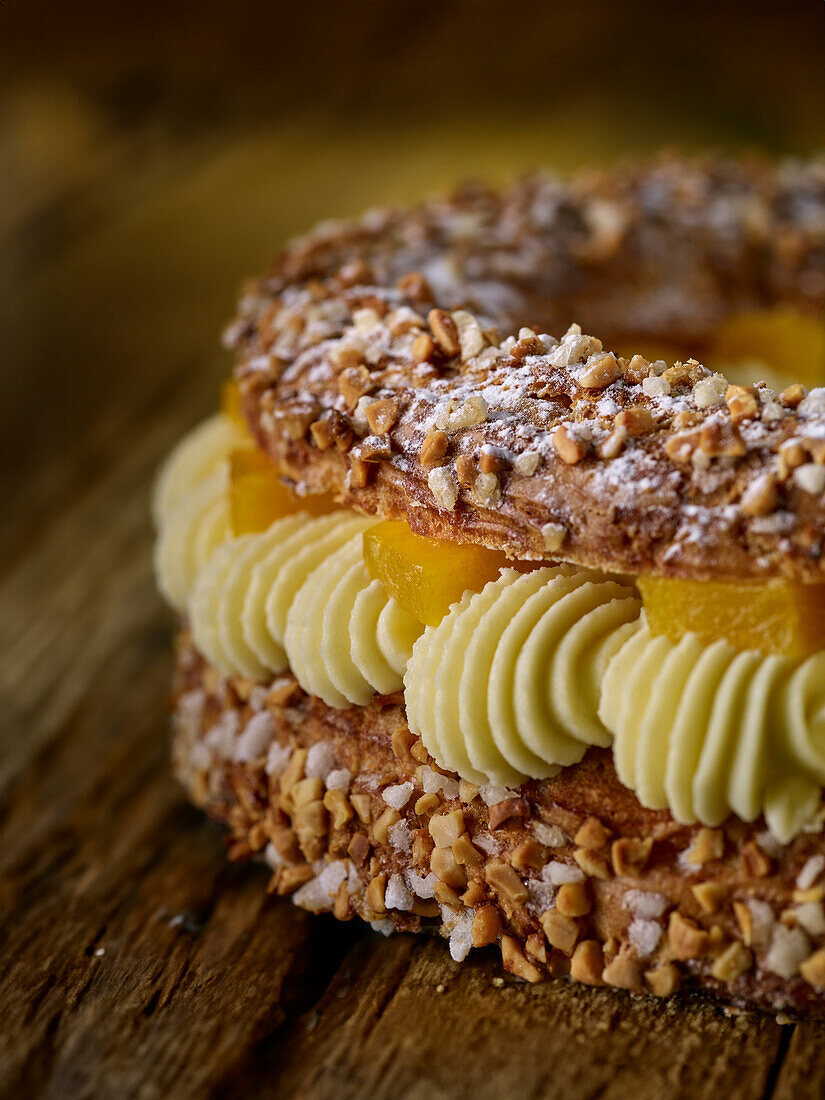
x=374, y=361
x=568, y=876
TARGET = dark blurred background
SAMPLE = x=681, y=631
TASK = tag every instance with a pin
x=152, y=153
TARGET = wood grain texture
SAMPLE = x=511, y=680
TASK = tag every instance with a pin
x=153, y=154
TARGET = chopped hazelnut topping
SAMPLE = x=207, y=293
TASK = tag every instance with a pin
x=444, y=330
x=321, y=432
x=402, y=741
x=415, y=286
x=285, y=843
x=623, y=971
x=591, y=834
x=664, y=980
x=385, y=822
x=680, y=447
x=568, y=448
x=358, y=848
x=354, y=273
x=342, y=907
x=561, y=932
x=683, y=374
x=515, y=962
x=422, y=848
x=338, y=805
x=486, y=926
x=529, y=855
x=491, y=463
x=708, y=392
x=423, y=348
x=381, y=415
x=593, y=864
x=587, y=963
x=467, y=791
x=813, y=969
x=434, y=448
x=721, y=439
x=360, y=472
x=353, y=384
x=470, y=337
x=745, y=919
x=445, y=868
x=466, y=470
x=600, y=373
x=741, y=400
x=761, y=496
x=637, y=370
x=613, y=446
x=709, y=844
x=445, y=829
x=374, y=895
x=306, y=790
x=311, y=820
x=535, y=947
x=687, y=940
x=291, y=878
x=629, y=855
x=419, y=752
x=507, y=810
x=426, y=803
x=734, y=961
x=505, y=881
x=635, y=420
x=573, y=899
x=794, y=395
x=475, y=894
x=710, y=895
x=446, y=895
x=466, y=852
x=294, y=770
x=361, y=804
x=754, y=860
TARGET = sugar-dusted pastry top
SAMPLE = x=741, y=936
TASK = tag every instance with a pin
x=390, y=360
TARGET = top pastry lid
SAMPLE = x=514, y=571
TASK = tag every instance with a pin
x=386, y=361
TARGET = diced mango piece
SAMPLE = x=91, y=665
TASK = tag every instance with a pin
x=231, y=402
x=790, y=343
x=783, y=618
x=257, y=495
x=425, y=576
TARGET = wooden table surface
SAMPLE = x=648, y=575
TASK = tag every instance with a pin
x=150, y=156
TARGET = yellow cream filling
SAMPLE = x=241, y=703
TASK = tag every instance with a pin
x=506, y=687
x=706, y=730
x=513, y=681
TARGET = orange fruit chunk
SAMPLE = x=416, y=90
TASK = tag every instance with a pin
x=258, y=496
x=790, y=343
x=784, y=618
x=425, y=576
x=231, y=402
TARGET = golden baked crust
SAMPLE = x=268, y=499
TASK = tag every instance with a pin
x=567, y=875
x=374, y=360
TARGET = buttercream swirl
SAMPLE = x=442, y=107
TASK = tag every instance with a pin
x=345, y=639
x=706, y=730
x=298, y=596
x=191, y=506
x=507, y=686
